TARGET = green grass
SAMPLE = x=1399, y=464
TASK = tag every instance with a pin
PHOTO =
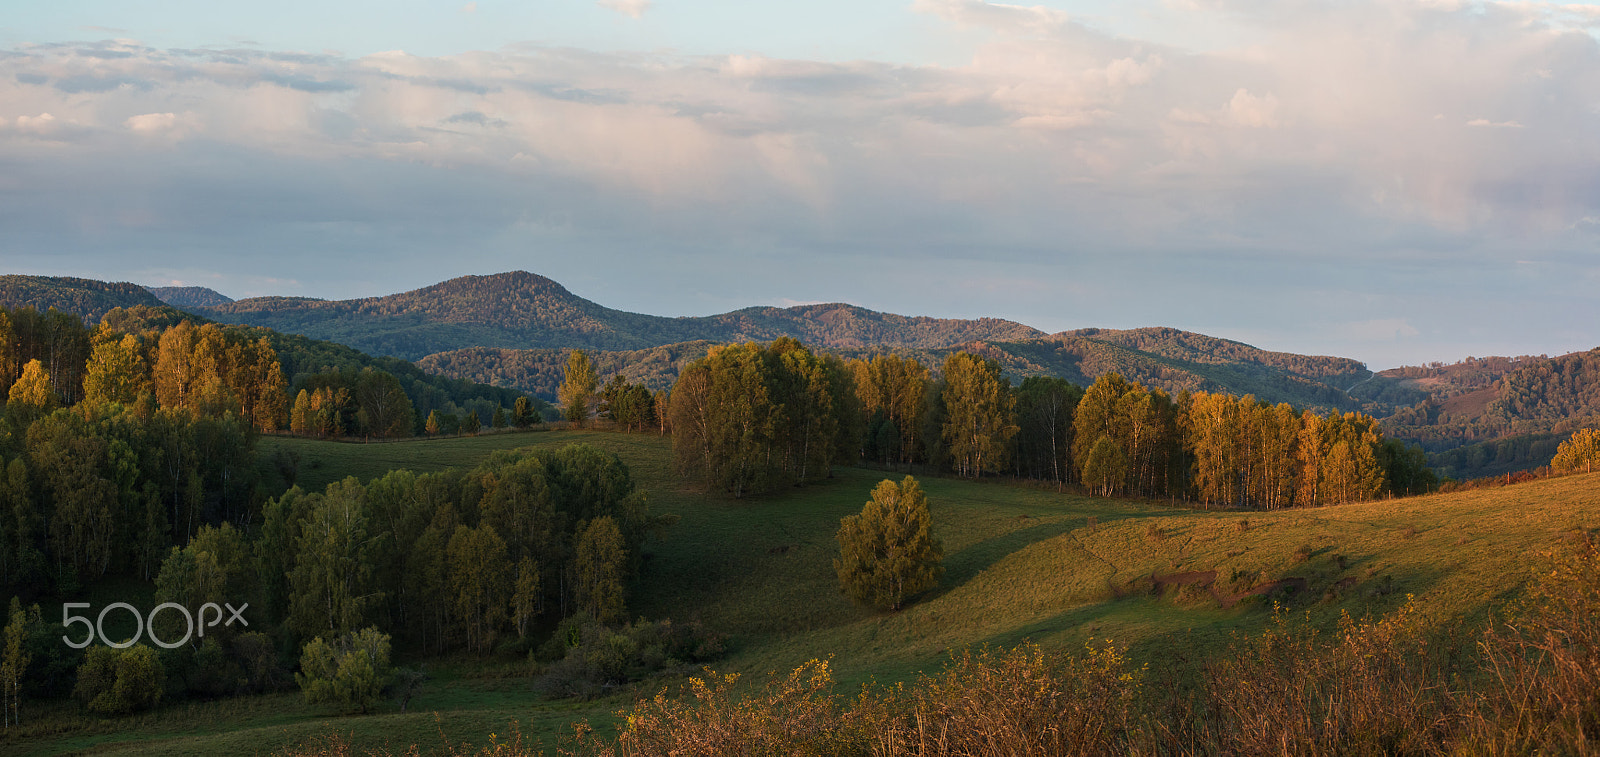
x=1021, y=563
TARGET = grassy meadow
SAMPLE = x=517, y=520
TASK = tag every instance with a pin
x=1022, y=562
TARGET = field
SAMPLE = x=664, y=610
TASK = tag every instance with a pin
x=1021, y=563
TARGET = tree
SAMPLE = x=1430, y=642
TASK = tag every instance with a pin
x=435, y=424
x=602, y=563
x=523, y=413
x=34, y=389
x=332, y=581
x=471, y=426
x=480, y=581
x=1581, y=451
x=498, y=420
x=384, y=409
x=577, y=389
x=350, y=673
x=1105, y=467
x=525, y=599
x=887, y=554
x=1044, y=438
x=14, y=659
x=116, y=372
x=979, y=421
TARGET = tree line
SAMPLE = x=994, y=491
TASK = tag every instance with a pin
x=753, y=418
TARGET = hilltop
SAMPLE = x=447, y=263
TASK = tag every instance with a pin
x=87, y=298
x=525, y=310
x=190, y=298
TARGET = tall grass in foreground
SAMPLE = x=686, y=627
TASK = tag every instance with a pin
x=1380, y=686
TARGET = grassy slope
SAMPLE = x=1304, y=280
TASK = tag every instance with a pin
x=1021, y=563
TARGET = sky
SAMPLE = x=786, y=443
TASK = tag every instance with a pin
x=1397, y=182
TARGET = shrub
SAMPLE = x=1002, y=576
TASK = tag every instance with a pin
x=1021, y=701
x=1545, y=661
x=120, y=681
x=351, y=673
x=591, y=657
x=1373, y=690
x=796, y=714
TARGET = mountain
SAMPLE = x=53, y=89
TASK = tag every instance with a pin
x=521, y=310
x=1172, y=360
x=190, y=298
x=86, y=298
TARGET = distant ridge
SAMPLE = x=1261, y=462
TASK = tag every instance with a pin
x=190, y=298
x=521, y=310
x=87, y=298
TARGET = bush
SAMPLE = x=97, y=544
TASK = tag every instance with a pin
x=1546, y=663
x=591, y=657
x=120, y=681
x=350, y=674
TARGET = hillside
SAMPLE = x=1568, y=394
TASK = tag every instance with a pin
x=1177, y=361
x=86, y=298
x=190, y=298
x=1021, y=564
x=521, y=310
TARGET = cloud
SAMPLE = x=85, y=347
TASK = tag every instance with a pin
x=997, y=16
x=470, y=8
x=1343, y=138
x=629, y=8
x=1249, y=110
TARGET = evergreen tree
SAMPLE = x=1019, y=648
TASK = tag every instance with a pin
x=470, y=425
x=498, y=421
x=435, y=424
x=887, y=553
x=523, y=413
x=577, y=388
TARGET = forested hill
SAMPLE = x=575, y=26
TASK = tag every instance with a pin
x=86, y=298
x=525, y=310
x=1171, y=360
x=190, y=298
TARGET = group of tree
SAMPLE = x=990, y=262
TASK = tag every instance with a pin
x=749, y=418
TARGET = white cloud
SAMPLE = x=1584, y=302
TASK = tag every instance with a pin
x=470, y=8
x=629, y=8
x=151, y=123
x=1494, y=124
